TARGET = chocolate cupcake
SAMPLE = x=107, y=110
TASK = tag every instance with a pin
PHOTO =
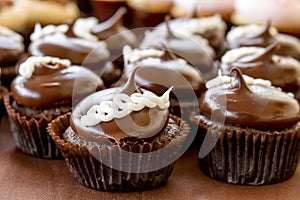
x=251, y=131
x=11, y=49
x=211, y=28
x=42, y=92
x=262, y=63
x=121, y=139
x=188, y=83
x=193, y=48
x=69, y=41
x=262, y=36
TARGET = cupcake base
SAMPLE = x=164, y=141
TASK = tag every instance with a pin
x=93, y=173
x=30, y=134
x=247, y=156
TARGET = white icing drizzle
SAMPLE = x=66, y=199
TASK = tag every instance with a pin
x=40, y=32
x=122, y=105
x=289, y=40
x=134, y=55
x=83, y=26
x=27, y=68
x=224, y=79
x=239, y=32
x=235, y=54
x=11, y=34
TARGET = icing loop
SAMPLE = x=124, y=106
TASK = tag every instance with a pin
x=40, y=32
x=83, y=27
x=122, y=105
x=28, y=67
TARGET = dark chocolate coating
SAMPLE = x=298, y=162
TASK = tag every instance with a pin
x=53, y=88
x=253, y=106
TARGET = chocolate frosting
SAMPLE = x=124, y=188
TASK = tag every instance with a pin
x=161, y=72
x=142, y=124
x=262, y=65
x=200, y=55
x=254, y=106
x=10, y=50
x=260, y=39
x=52, y=85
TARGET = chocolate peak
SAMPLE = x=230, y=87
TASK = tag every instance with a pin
x=242, y=85
x=130, y=85
x=264, y=33
x=111, y=22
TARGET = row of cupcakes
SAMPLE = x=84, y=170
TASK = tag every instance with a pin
x=47, y=76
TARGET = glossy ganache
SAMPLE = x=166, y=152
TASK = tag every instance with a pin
x=61, y=41
x=248, y=102
x=143, y=123
x=263, y=63
x=192, y=48
x=163, y=69
x=11, y=47
x=47, y=82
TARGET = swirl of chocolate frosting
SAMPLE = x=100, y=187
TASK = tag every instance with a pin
x=141, y=124
x=61, y=42
x=159, y=64
x=257, y=62
x=193, y=48
x=51, y=83
x=254, y=105
x=263, y=38
x=11, y=46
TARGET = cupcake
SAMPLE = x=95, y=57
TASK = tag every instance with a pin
x=283, y=14
x=193, y=48
x=211, y=28
x=121, y=139
x=115, y=36
x=188, y=83
x=145, y=13
x=11, y=50
x=251, y=131
x=262, y=36
x=257, y=62
x=69, y=41
x=43, y=91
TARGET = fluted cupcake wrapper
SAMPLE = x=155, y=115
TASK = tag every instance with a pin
x=30, y=134
x=250, y=157
x=88, y=168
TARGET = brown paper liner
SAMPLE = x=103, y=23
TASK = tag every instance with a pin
x=3, y=92
x=30, y=134
x=250, y=157
x=93, y=173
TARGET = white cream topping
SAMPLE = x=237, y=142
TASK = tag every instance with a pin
x=27, y=68
x=289, y=40
x=134, y=55
x=11, y=34
x=40, y=32
x=122, y=105
x=224, y=79
x=83, y=26
x=236, y=54
x=239, y=32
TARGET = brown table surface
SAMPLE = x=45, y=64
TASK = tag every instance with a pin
x=24, y=177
